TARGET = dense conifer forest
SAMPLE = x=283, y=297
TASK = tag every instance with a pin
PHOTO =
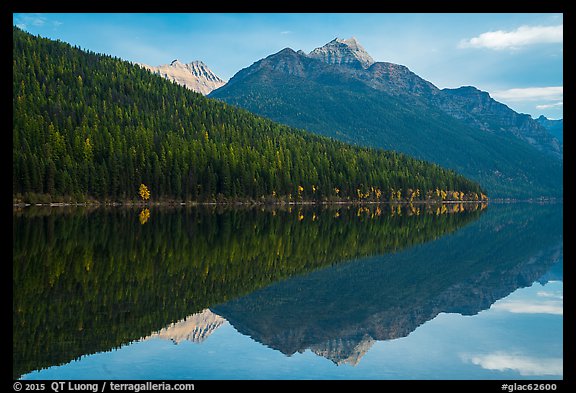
x=88, y=126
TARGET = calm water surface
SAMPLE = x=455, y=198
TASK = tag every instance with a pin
x=348, y=292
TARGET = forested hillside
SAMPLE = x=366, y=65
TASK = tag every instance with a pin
x=91, y=126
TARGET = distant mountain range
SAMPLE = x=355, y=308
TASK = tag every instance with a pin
x=478, y=109
x=195, y=75
x=554, y=127
x=338, y=90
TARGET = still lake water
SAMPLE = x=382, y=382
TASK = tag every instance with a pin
x=346, y=292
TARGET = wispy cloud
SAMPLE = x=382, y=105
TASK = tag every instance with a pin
x=24, y=21
x=524, y=365
x=546, y=302
x=537, y=98
x=552, y=294
x=522, y=36
x=549, y=106
x=519, y=307
x=551, y=93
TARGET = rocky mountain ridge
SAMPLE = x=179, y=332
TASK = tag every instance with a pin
x=343, y=51
x=477, y=108
x=349, y=62
x=466, y=103
x=554, y=127
x=195, y=328
x=195, y=75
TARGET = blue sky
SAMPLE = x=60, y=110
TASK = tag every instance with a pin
x=517, y=58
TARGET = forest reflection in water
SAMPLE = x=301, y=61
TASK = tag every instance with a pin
x=89, y=280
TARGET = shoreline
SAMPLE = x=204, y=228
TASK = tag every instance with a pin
x=250, y=203
x=279, y=203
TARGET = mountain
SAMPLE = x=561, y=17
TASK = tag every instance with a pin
x=339, y=51
x=195, y=75
x=477, y=108
x=337, y=91
x=554, y=127
x=90, y=126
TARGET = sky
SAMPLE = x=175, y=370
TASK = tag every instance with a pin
x=517, y=58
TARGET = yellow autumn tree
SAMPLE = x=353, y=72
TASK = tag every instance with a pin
x=144, y=216
x=144, y=192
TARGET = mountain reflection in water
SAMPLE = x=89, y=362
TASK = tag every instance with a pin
x=92, y=281
x=339, y=312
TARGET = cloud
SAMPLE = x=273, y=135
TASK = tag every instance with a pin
x=551, y=93
x=24, y=21
x=525, y=365
x=553, y=294
x=549, y=106
x=548, y=302
x=536, y=98
x=522, y=36
x=519, y=307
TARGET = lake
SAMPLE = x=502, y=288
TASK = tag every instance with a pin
x=456, y=291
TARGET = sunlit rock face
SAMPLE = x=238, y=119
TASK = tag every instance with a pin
x=343, y=51
x=195, y=76
x=195, y=328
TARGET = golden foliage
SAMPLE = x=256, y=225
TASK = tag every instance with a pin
x=144, y=192
x=144, y=216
